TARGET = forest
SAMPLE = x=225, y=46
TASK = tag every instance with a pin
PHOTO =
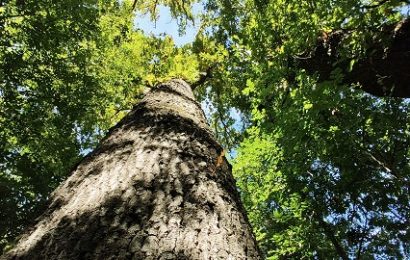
x=308, y=98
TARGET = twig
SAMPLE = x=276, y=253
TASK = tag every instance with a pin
x=134, y=5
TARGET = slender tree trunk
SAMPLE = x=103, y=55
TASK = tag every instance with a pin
x=158, y=187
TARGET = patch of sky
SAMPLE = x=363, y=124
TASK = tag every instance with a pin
x=165, y=24
x=405, y=10
x=234, y=114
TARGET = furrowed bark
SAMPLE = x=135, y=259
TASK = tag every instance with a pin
x=158, y=187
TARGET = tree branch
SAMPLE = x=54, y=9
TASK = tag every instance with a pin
x=330, y=234
x=384, y=71
x=204, y=76
x=134, y=5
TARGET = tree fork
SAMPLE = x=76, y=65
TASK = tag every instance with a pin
x=156, y=188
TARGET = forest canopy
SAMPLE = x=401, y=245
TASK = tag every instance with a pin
x=311, y=98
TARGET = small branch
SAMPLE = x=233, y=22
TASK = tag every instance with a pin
x=134, y=5
x=226, y=133
x=155, y=11
x=227, y=136
x=384, y=166
x=359, y=250
x=181, y=7
x=204, y=76
x=330, y=234
x=379, y=162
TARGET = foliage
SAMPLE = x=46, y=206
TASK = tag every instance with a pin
x=323, y=168
x=332, y=170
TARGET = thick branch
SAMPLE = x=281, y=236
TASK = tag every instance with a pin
x=383, y=71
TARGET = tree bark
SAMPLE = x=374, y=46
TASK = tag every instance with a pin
x=158, y=187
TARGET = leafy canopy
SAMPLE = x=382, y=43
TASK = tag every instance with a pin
x=322, y=167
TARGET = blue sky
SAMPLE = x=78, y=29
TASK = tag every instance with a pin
x=166, y=24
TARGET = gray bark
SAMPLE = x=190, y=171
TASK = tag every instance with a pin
x=158, y=187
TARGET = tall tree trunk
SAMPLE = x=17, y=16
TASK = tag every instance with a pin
x=158, y=187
